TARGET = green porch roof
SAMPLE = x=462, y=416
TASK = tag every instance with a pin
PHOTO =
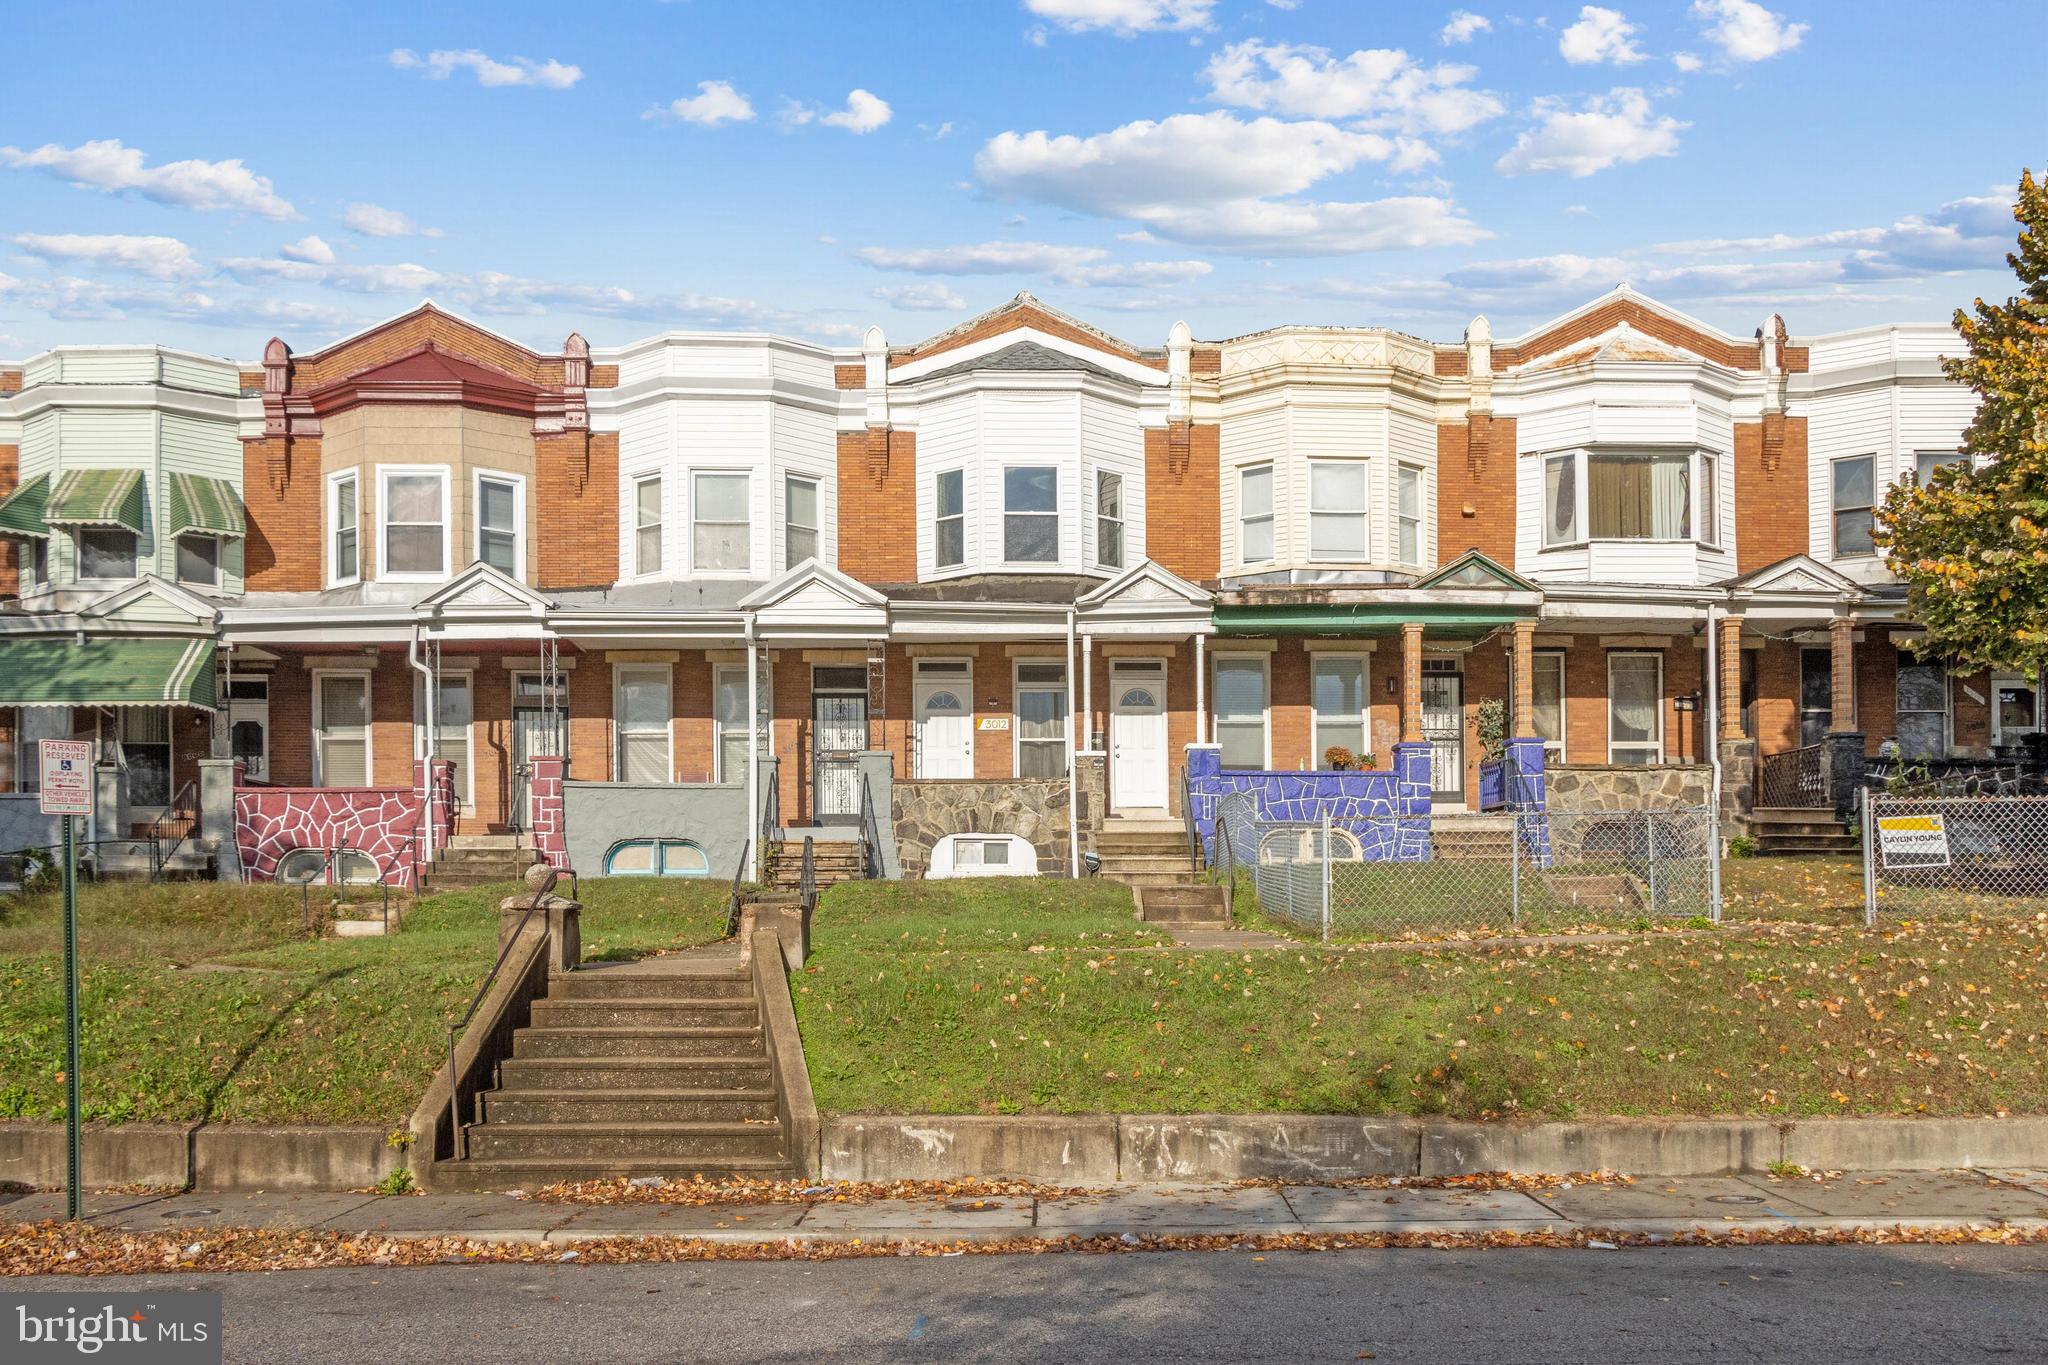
x=21, y=512
x=107, y=670
x=1451, y=622
x=200, y=503
x=98, y=497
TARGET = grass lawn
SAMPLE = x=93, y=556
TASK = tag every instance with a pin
x=1945, y=1017
x=203, y=1001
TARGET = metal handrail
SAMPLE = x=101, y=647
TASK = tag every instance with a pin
x=771, y=809
x=807, y=887
x=329, y=857
x=158, y=857
x=732, y=903
x=457, y=1138
x=1196, y=860
x=870, y=833
x=1795, y=777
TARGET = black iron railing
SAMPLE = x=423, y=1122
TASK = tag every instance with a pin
x=1187, y=816
x=732, y=900
x=870, y=833
x=771, y=810
x=169, y=831
x=1797, y=777
x=807, y=886
x=457, y=1137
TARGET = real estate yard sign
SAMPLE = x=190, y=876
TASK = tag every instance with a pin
x=1912, y=841
x=66, y=766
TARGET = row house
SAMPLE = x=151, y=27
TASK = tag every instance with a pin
x=1002, y=572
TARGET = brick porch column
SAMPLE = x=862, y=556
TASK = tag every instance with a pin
x=1842, y=683
x=1522, y=719
x=1730, y=651
x=1411, y=682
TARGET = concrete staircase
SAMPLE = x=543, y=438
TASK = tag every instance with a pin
x=132, y=860
x=1191, y=905
x=1800, y=830
x=1472, y=838
x=1145, y=852
x=835, y=858
x=630, y=1070
x=480, y=860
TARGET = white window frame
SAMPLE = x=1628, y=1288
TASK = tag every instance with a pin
x=1362, y=512
x=1272, y=499
x=1656, y=655
x=387, y=472
x=1058, y=549
x=465, y=781
x=668, y=721
x=1315, y=719
x=1939, y=458
x=940, y=518
x=789, y=522
x=1706, y=512
x=1553, y=749
x=1948, y=718
x=764, y=718
x=78, y=536
x=1103, y=521
x=1835, y=550
x=1403, y=471
x=1066, y=713
x=476, y=516
x=33, y=562
x=219, y=550
x=319, y=721
x=331, y=528
x=2019, y=680
x=1577, y=537
x=746, y=477
x=1265, y=663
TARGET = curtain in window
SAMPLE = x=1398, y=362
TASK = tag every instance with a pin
x=1635, y=497
x=1632, y=702
x=1561, y=497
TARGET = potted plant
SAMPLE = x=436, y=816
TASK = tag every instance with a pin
x=1338, y=757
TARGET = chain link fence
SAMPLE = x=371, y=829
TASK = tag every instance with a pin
x=1373, y=877
x=1927, y=854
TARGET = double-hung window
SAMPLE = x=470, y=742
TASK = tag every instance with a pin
x=1921, y=716
x=949, y=519
x=1925, y=462
x=498, y=509
x=1336, y=510
x=343, y=512
x=1109, y=519
x=199, y=559
x=1635, y=708
x=642, y=708
x=647, y=521
x=415, y=505
x=453, y=711
x=341, y=730
x=720, y=534
x=106, y=552
x=1240, y=702
x=1031, y=521
x=1710, y=500
x=1408, y=513
x=1547, y=667
x=1041, y=719
x=34, y=559
x=1337, y=692
x=1853, y=489
x=799, y=520
x=1255, y=514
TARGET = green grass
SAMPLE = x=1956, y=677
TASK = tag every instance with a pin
x=1946, y=1017
x=980, y=913
x=208, y=1002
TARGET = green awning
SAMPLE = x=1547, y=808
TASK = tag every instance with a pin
x=199, y=503
x=21, y=513
x=1456, y=622
x=107, y=670
x=98, y=497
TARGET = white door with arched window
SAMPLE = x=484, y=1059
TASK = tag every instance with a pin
x=945, y=718
x=1137, y=734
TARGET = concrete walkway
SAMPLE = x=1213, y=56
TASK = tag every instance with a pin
x=1667, y=1207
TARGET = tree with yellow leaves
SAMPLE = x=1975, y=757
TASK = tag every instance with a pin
x=1972, y=543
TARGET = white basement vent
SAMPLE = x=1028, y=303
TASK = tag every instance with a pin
x=983, y=855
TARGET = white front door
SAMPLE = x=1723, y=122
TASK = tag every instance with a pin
x=1137, y=738
x=945, y=729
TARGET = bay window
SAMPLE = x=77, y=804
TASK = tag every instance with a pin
x=1853, y=492
x=1031, y=523
x=799, y=520
x=1635, y=708
x=343, y=509
x=1337, y=694
x=497, y=522
x=1041, y=719
x=720, y=533
x=1336, y=510
x=1561, y=500
x=1925, y=462
x=1710, y=500
x=1109, y=519
x=1239, y=699
x=949, y=523
x=1639, y=496
x=1408, y=513
x=1255, y=514
x=647, y=521
x=199, y=560
x=106, y=552
x=415, y=503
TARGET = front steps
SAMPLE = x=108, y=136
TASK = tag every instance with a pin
x=835, y=858
x=1472, y=838
x=1782, y=831
x=1144, y=852
x=481, y=860
x=1195, y=905
x=133, y=860
x=630, y=1071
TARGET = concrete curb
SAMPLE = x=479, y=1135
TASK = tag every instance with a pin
x=182, y=1156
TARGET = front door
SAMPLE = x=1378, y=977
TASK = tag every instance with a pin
x=146, y=750
x=1816, y=695
x=839, y=731
x=945, y=729
x=1137, y=738
x=536, y=732
x=1443, y=725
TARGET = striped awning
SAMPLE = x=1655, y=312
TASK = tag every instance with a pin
x=21, y=512
x=200, y=503
x=98, y=497
x=108, y=670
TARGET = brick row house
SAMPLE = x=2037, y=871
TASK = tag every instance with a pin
x=1007, y=574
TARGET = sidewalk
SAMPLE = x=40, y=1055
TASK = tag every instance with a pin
x=1932, y=1202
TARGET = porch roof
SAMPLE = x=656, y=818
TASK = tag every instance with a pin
x=1370, y=617
x=108, y=671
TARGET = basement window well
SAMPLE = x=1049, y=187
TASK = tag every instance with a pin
x=982, y=855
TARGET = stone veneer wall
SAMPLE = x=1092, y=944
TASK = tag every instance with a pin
x=1622, y=787
x=1033, y=809
x=381, y=822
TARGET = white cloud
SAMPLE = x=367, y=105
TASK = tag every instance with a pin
x=1601, y=35
x=1687, y=61
x=1607, y=130
x=73, y=299
x=1218, y=180
x=924, y=297
x=714, y=103
x=160, y=258
x=1972, y=233
x=311, y=249
x=375, y=278
x=112, y=168
x=1461, y=27
x=372, y=220
x=545, y=75
x=1576, y=208
x=1085, y=266
x=1124, y=17
x=864, y=112
x=1745, y=31
x=1381, y=87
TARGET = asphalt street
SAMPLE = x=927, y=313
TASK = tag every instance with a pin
x=1670, y=1306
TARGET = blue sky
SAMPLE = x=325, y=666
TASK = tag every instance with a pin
x=633, y=166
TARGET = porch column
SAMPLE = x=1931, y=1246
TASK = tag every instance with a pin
x=1411, y=682
x=1522, y=721
x=1842, y=685
x=1201, y=689
x=1088, y=689
x=1730, y=660
x=1842, y=749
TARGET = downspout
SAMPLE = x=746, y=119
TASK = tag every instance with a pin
x=1073, y=762
x=412, y=655
x=753, y=839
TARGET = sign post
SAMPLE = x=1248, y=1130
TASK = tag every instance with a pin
x=66, y=772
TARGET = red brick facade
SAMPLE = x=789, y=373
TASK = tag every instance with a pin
x=1183, y=464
